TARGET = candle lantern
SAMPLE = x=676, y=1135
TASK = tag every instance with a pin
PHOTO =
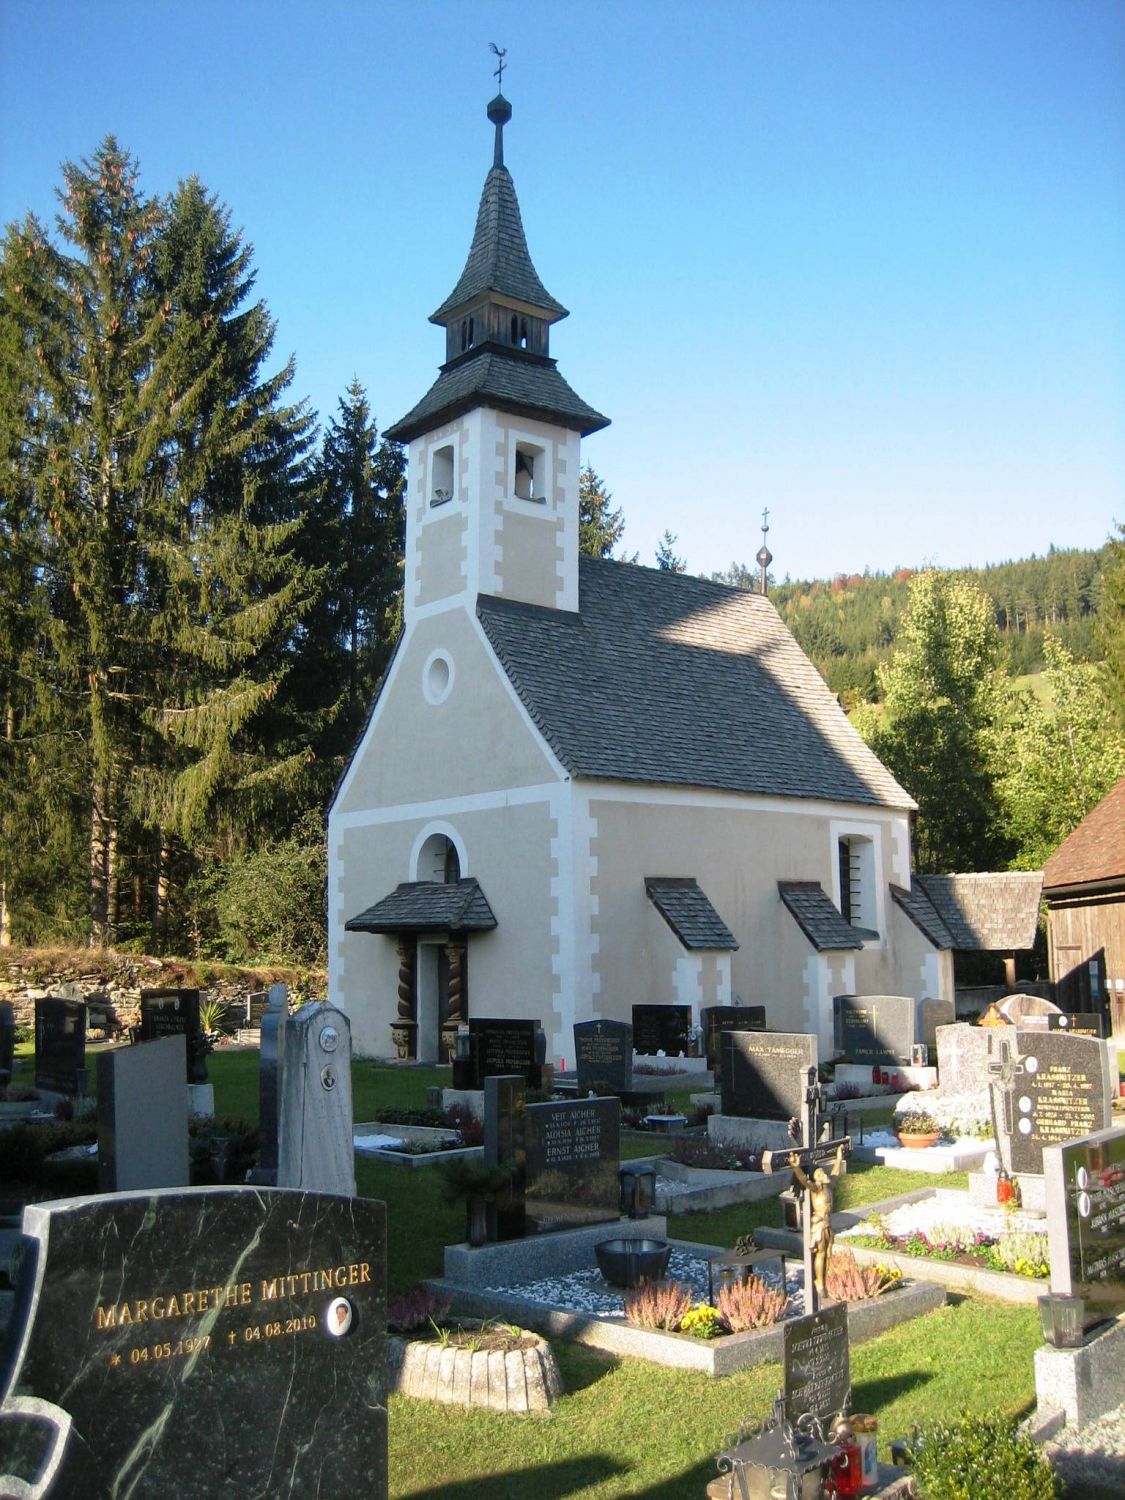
x=463, y=1046
x=1003, y=1187
x=782, y=1461
x=638, y=1189
x=1061, y=1320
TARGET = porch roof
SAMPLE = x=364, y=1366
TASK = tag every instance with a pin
x=426, y=906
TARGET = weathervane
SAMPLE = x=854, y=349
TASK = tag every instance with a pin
x=500, y=53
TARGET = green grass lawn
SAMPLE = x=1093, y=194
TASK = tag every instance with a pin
x=625, y=1428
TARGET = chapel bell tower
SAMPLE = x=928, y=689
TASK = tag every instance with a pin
x=494, y=444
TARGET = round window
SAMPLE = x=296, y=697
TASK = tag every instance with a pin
x=437, y=677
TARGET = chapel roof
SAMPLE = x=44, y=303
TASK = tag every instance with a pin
x=922, y=912
x=1095, y=851
x=689, y=912
x=679, y=681
x=987, y=912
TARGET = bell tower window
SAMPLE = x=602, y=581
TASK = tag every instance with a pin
x=530, y=475
x=441, y=475
x=856, y=856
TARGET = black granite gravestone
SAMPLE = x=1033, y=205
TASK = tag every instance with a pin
x=816, y=1364
x=875, y=1029
x=715, y=1019
x=763, y=1073
x=573, y=1158
x=662, y=1028
x=1085, y=1196
x=60, y=1046
x=1079, y=1023
x=7, y=1041
x=176, y=1013
x=212, y=1342
x=505, y=1114
x=1047, y=1087
x=603, y=1056
x=502, y=1046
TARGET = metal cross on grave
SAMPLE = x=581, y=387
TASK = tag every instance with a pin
x=1002, y=1075
x=813, y=1149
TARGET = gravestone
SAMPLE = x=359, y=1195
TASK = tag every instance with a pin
x=573, y=1159
x=1085, y=1182
x=60, y=1046
x=271, y=1061
x=1047, y=1087
x=933, y=1013
x=662, y=1028
x=204, y=1343
x=962, y=1056
x=7, y=1041
x=499, y=1046
x=875, y=1029
x=176, y=1013
x=143, y=1117
x=505, y=1111
x=603, y=1052
x=315, y=1145
x=816, y=1364
x=763, y=1073
x=1079, y=1023
x=715, y=1019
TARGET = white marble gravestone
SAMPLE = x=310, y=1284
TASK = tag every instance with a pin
x=315, y=1150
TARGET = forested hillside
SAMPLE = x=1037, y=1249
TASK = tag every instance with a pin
x=849, y=623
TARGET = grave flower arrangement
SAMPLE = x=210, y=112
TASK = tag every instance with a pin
x=1019, y=1254
x=705, y=1154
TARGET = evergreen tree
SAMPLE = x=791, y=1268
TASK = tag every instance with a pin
x=599, y=527
x=1111, y=625
x=167, y=474
x=942, y=707
x=666, y=559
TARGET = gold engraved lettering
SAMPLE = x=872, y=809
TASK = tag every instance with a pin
x=269, y=1290
x=247, y=1292
x=125, y=1316
x=189, y=1303
x=157, y=1308
x=365, y=1271
x=142, y=1310
x=105, y=1317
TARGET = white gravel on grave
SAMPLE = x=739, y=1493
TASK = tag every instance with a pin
x=589, y=1292
x=378, y=1143
x=954, y=1211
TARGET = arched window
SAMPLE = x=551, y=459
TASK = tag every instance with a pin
x=438, y=861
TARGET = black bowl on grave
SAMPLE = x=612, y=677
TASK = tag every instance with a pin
x=628, y=1262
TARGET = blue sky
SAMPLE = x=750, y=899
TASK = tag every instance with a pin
x=862, y=261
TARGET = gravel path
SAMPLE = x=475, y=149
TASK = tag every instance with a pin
x=1091, y=1459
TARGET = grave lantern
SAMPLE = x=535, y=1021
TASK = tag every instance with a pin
x=781, y=1462
x=1061, y=1320
x=638, y=1189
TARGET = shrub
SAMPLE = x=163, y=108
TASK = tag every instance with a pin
x=847, y=1091
x=703, y=1153
x=977, y=1456
x=847, y=1281
x=1025, y=1254
x=459, y=1117
x=657, y=1304
x=916, y=1122
x=417, y=1308
x=752, y=1303
x=221, y=1151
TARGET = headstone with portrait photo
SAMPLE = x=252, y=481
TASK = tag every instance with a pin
x=315, y=1147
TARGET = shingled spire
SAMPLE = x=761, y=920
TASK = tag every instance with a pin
x=497, y=321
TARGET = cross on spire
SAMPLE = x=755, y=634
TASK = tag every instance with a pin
x=500, y=53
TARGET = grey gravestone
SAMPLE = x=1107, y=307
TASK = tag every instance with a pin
x=603, y=1056
x=7, y=1041
x=176, y=1013
x=1047, y=1087
x=715, y=1019
x=662, y=1028
x=817, y=1365
x=875, y=1029
x=1085, y=1186
x=60, y=1046
x=271, y=1066
x=1026, y=1010
x=1078, y=1023
x=151, y=1329
x=501, y=1046
x=573, y=1161
x=505, y=1110
x=764, y=1073
x=143, y=1117
x=933, y=1013
x=962, y=1055
x=315, y=1146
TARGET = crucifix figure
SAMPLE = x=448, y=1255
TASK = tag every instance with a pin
x=818, y=1229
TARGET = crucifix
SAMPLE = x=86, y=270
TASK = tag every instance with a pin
x=815, y=1159
x=1002, y=1075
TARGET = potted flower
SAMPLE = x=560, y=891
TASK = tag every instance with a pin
x=917, y=1129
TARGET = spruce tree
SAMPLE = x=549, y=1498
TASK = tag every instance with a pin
x=599, y=527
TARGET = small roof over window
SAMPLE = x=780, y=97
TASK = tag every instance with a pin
x=426, y=906
x=817, y=918
x=689, y=913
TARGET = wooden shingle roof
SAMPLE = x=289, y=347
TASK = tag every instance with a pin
x=673, y=680
x=1095, y=852
x=922, y=912
x=987, y=913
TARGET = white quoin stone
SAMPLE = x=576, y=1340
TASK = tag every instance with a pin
x=315, y=1148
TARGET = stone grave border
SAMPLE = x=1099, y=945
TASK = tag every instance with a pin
x=715, y=1357
x=706, y=1188
x=426, y=1133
